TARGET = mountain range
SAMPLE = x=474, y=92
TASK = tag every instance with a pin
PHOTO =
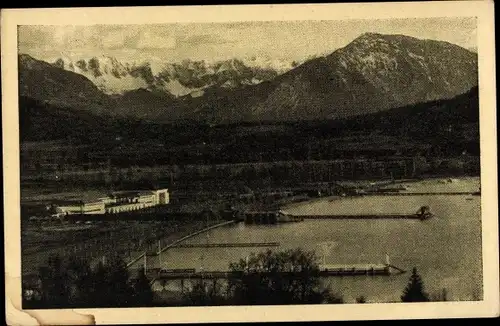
x=373, y=73
x=178, y=79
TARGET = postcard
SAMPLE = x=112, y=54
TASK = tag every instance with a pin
x=305, y=162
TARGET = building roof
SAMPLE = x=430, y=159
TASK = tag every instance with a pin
x=131, y=193
x=62, y=202
x=351, y=266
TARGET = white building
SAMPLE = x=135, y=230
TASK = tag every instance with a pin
x=80, y=207
x=117, y=202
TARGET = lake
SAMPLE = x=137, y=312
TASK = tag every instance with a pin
x=445, y=249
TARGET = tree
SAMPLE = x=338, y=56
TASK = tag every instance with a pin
x=198, y=296
x=75, y=284
x=361, y=299
x=80, y=277
x=54, y=286
x=142, y=289
x=109, y=285
x=118, y=277
x=205, y=293
x=439, y=296
x=414, y=291
x=289, y=277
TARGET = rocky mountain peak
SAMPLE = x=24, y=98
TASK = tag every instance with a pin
x=28, y=62
x=178, y=79
x=372, y=73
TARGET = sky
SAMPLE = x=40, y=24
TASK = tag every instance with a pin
x=282, y=40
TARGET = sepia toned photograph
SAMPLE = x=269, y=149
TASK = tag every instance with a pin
x=332, y=162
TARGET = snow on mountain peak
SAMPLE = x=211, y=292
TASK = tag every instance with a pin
x=107, y=73
x=177, y=78
x=280, y=65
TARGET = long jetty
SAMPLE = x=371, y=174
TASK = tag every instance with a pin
x=365, y=216
x=395, y=193
x=227, y=245
x=359, y=269
x=325, y=271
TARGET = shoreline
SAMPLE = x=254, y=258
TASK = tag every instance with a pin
x=39, y=193
x=170, y=245
x=175, y=242
x=400, y=181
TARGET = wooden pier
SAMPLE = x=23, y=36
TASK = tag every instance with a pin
x=367, y=216
x=395, y=193
x=325, y=271
x=359, y=269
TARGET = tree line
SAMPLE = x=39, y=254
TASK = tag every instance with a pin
x=256, y=280
x=75, y=283
x=287, y=173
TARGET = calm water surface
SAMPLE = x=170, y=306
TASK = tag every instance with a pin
x=445, y=249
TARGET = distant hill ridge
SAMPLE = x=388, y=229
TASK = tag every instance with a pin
x=43, y=121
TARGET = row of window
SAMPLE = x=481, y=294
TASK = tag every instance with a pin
x=128, y=208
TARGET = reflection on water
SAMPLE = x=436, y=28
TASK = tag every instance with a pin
x=446, y=249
